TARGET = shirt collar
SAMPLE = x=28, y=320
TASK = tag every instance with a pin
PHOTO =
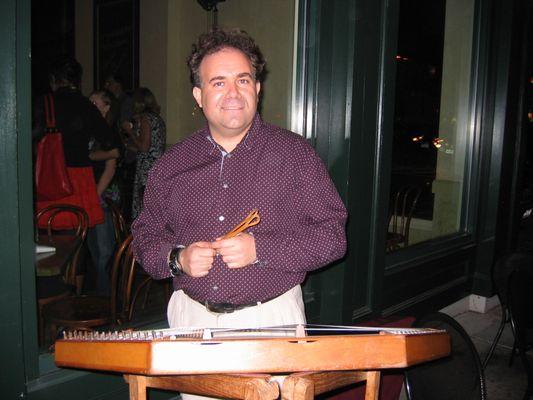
x=249, y=140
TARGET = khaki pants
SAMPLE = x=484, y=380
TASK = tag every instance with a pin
x=285, y=309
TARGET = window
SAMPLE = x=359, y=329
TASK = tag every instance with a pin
x=431, y=129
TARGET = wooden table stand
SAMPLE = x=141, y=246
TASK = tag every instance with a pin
x=298, y=386
x=245, y=386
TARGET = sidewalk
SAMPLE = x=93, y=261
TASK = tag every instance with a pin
x=503, y=382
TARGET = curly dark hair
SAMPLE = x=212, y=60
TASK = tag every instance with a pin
x=66, y=70
x=218, y=39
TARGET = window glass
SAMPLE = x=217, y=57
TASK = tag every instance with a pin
x=64, y=270
x=431, y=130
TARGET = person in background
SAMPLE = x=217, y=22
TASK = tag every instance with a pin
x=123, y=113
x=205, y=185
x=115, y=85
x=148, y=139
x=79, y=122
x=101, y=238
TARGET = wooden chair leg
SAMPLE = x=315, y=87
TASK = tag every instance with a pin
x=133, y=299
x=79, y=284
x=146, y=293
x=53, y=332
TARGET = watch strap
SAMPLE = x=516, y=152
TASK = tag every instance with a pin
x=173, y=262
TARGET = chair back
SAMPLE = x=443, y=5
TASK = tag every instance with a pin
x=503, y=269
x=46, y=217
x=48, y=214
x=92, y=311
x=119, y=223
x=520, y=304
x=402, y=206
x=456, y=377
x=122, y=280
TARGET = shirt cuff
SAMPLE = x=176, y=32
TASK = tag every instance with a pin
x=164, y=251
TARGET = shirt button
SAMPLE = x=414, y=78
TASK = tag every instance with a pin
x=225, y=186
x=221, y=218
x=215, y=287
x=228, y=156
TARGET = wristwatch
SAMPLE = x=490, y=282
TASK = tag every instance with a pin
x=173, y=262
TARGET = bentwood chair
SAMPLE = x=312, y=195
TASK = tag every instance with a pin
x=402, y=206
x=46, y=220
x=149, y=285
x=87, y=312
x=53, y=286
x=119, y=222
x=456, y=377
x=146, y=281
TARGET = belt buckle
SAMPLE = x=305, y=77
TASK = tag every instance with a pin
x=220, y=308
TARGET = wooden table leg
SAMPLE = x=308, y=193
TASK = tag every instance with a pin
x=306, y=385
x=137, y=386
x=373, y=379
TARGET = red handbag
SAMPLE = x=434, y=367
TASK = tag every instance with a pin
x=51, y=176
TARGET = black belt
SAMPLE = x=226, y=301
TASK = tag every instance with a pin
x=226, y=308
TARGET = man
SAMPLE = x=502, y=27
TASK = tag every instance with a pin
x=122, y=113
x=115, y=85
x=205, y=185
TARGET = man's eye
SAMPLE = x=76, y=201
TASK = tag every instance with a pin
x=244, y=81
x=218, y=84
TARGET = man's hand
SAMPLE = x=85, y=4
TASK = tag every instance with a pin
x=236, y=252
x=197, y=259
x=127, y=126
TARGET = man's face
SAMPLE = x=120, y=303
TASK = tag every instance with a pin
x=113, y=86
x=229, y=93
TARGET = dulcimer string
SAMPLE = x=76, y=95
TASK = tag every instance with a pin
x=236, y=333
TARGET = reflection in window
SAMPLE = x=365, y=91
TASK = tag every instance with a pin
x=431, y=120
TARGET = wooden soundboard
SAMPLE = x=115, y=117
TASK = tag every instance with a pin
x=142, y=355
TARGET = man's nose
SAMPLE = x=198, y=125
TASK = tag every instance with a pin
x=233, y=90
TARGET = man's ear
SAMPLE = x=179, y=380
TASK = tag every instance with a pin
x=197, y=94
x=257, y=87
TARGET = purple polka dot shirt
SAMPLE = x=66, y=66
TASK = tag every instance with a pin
x=198, y=192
